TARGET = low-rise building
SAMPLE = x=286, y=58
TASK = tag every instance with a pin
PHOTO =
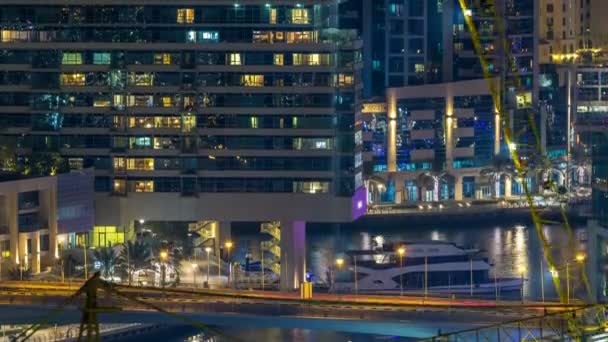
x=40, y=216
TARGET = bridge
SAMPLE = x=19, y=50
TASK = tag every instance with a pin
x=413, y=317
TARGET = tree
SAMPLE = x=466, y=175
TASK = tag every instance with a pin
x=134, y=256
x=108, y=260
x=500, y=167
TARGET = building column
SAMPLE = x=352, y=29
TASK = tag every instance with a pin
x=13, y=224
x=391, y=143
x=221, y=232
x=399, y=189
x=458, y=188
x=293, y=254
x=508, y=186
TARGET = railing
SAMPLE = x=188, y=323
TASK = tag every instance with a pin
x=570, y=325
x=272, y=228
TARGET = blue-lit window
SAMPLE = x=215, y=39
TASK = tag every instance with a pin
x=396, y=9
x=208, y=37
x=101, y=58
x=376, y=64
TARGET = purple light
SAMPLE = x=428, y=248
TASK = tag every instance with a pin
x=359, y=203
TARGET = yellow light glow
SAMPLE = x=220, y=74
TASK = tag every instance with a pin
x=163, y=255
x=228, y=244
x=580, y=257
x=522, y=269
x=208, y=250
x=339, y=262
x=401, y=251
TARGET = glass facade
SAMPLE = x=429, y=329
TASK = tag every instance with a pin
x=185, y=98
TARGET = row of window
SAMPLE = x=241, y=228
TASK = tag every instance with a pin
x=161, y=35
x=150, y=14
x=56, y=121
x=232, y=58
x=163, y=142
x=343, y=100
x=222, y=163
x=41, y=59
x=185, y=80
x=194, y=185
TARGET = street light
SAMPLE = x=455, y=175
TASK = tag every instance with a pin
x=580, y=258
x=194, y=274
x=522, y=271
x=401, y=252
x=228, y=245
x=208, y=250
x=339, y=263
x=163, y=266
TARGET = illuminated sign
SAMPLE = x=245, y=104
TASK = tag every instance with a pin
x=378, y=107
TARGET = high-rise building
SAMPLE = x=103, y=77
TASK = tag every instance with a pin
x=225, y=110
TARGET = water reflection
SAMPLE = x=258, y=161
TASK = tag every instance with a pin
x=509, y=248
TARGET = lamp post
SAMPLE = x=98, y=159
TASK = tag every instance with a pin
x=401, y=252
x=356, y=280
x=580, y=258
x=542, y=281
x=163, y=267
x=339, y=263
x=228, y=245
x=426, y=276
x=194, y=266
x=86, y=270
x=208, y=250
x=522, y=271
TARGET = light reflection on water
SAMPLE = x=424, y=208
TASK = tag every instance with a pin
x=510, y=248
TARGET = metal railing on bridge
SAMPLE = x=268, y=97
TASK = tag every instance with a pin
x=580, y=324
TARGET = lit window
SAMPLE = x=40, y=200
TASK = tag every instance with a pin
x=311, y=187
x=185, y=15
x=167, y=101
x=140, y=164
x=254, y=122
x=102, y=103
x=162, y=58
x=301, y=37
x=119, y=163
x=299, y=16
x=9, y=36
x=141, y=79
x=345, y=80
x=208, y=36
x=278, y=59
x=71, y=58
x=144, y=186
x=419, y=68
x=313, y=59
x=6, y=253
x=75, y=79
x=120, y=186
x=234, y=58
x=272, y=16
x=140, y=142
x=189, y=123
x=252, y=80
x=298, y=59
x=75, y=163
x=101, y=58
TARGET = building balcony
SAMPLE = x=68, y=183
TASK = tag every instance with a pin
x=427, y=114
x=464, y=152
x=464, y=112
x=461, y=132
x=422, y=134
x=422, y=154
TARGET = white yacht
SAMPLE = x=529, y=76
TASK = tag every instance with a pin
x=447, y=268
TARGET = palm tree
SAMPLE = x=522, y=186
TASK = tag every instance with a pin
x=500, y=167
x=430, y=179
x=173, y=261
x=134, y=256
x=108, y=259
